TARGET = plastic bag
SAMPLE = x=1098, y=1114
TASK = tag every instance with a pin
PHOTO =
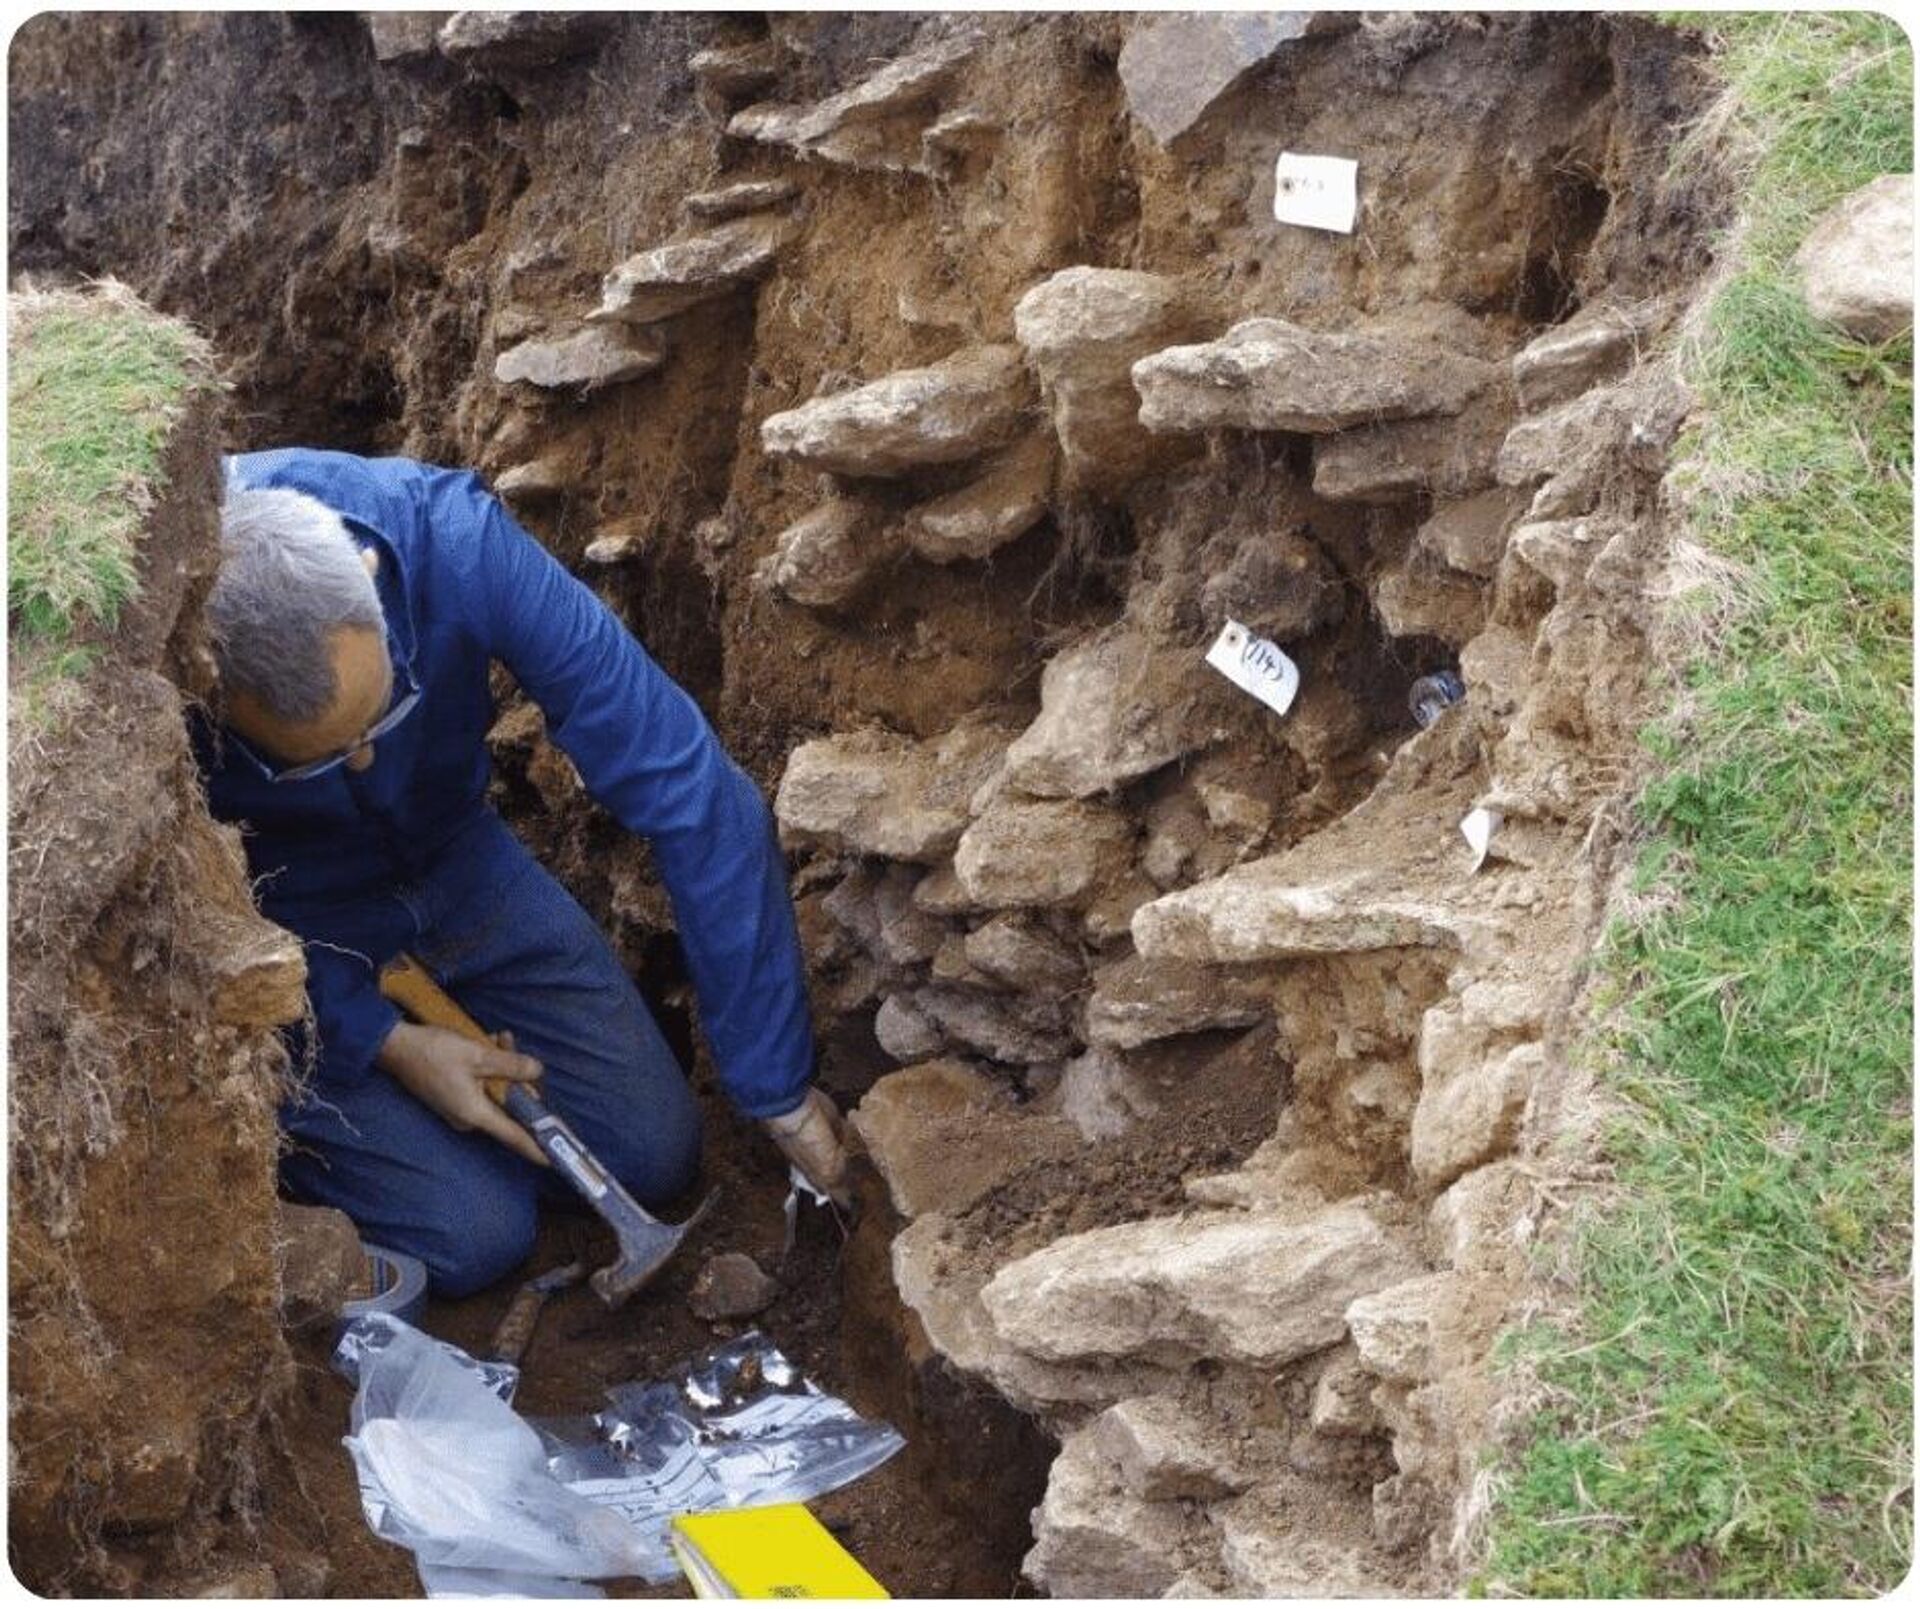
x=738, y=1426
x=450, y=1471
x=443, y=1581
x=373, y=1331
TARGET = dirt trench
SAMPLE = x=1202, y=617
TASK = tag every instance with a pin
x=955, y=390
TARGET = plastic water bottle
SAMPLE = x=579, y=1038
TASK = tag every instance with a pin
x=1431, y=696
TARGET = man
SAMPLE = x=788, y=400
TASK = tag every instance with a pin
x=358, y=605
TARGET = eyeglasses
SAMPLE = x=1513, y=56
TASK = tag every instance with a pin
x=319, y=768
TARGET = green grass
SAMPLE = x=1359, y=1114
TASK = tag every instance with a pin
x=94, y=384
x=1730, y=1410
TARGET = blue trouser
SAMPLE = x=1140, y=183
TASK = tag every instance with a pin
x=512, y=947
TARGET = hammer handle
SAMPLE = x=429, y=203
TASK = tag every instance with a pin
x=409, y=986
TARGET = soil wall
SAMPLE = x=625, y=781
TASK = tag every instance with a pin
x=927, y=393
x=144, y=1346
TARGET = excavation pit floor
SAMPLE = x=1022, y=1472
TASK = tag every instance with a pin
x=945, y=1517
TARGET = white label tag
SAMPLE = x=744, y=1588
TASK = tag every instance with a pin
x=1321, y=192
x=1255, y=666
x=1478, y=826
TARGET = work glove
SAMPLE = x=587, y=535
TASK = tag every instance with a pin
x=813, y=1137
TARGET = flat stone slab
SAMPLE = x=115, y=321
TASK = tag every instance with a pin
x=585, y=360
x=876, y=124
x=682, y=274
x=985, y=515
x=1259, y=1289
x=1270, y=374
x=945, y=413
x=737, y=200
x=879, y=793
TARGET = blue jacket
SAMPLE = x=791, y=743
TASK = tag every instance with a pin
x=462, y=584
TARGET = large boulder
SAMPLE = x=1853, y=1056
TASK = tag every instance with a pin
x=1270, y=374
x=1083, y=330
x=946, y=413
x=1174, y=68
x=1112, y=708
x=878, y=793
x=1027, y=852
x=1857, y=262
x=1254, y=1288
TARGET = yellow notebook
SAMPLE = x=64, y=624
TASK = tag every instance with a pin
x=776, y=1552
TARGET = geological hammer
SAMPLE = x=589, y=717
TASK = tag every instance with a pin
x=645, y=1242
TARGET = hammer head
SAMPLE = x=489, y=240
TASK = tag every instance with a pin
x=645, y=1246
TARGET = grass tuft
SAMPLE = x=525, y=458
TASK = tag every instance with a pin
x=94, y=383
x=1730, y=1409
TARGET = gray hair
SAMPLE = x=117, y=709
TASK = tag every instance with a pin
x=290, y=576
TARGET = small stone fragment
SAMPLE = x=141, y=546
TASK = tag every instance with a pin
x=1175, y=68
x=1277, y=584
x=827, y=557
x=1343, y=1398
x=321, y=1265
x=905, y=1032
x=1083, y=329
x=257, y=970
x=731, y=1285
x=1102, y=1097
x=878, y=793
x=1564, y=550
x=985, y=515
x=614, y=547
x=1269, y=374
x=1857, y=261
x=670, y=279
x=1040, y=852
x=590, y=358
x=1163, y=1450
x=256, y=1581
x=737, y=200
x=947, y=413
x=542, y=478
x=1112, y=707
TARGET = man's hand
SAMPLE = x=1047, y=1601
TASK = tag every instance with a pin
x=447, y=1073
x=813, y=1137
